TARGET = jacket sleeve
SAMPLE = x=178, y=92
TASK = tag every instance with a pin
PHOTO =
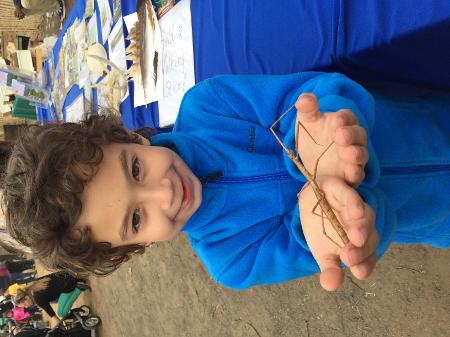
x=278, y=251
x=265, y=253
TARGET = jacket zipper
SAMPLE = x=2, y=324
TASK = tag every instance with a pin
x=415, y=169
x=283, y=175
x=258, y=178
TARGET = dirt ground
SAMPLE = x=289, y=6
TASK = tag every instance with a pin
x=166, y=292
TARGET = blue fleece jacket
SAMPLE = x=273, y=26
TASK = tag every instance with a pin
x=247, y=230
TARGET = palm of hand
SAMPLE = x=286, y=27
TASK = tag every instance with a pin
x=311, y=146
x=355, y=216
x=321, y=247
x=334, y=141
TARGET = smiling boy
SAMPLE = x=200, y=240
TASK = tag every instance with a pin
x=87, y=196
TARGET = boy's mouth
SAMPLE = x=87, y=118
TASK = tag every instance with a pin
x=187, y=194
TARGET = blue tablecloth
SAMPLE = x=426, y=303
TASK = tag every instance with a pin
x=131, y=117
x=404, y=40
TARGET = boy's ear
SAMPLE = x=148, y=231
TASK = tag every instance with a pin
x=144, y=140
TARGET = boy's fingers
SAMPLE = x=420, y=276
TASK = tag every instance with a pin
x=359, y=213
x=354, y=254
x=308, y=108
x=350, y=135
x=354, y=174
x=354, y=154
x=363, y=270
x=342, y=117
x=362, y=232
x=331, y=275
x=359, y=222
x=358, y=217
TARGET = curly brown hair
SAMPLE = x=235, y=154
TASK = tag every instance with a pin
x=47, y=171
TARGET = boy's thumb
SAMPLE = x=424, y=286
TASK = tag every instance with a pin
x=307, y=107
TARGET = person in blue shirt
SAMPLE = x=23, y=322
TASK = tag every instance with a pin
x=24, y=8
x=96, y=193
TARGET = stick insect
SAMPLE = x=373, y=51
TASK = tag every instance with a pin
x=321, y=200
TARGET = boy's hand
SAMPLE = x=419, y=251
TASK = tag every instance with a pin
x=358, y=220
x=344, y=159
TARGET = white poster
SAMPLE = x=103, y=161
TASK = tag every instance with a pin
x=177, y=60
x=75, y=111
x=105, y=18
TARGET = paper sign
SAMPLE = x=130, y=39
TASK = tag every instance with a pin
x=117, y=10
x=105, y=18
x=92, y=30
x=116, y=44
x=75, y=111
x=18, y=88
x=130, y=20
x=89, y=10
x=3, y=78
x=177, y=60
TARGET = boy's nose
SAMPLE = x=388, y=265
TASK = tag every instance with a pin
x=162, y=193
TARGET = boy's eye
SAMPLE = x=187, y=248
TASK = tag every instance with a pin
x=135, y=169
x=136, y=221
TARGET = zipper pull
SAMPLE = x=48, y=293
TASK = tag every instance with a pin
x=211, y=177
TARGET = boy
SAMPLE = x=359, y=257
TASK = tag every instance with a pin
x=88, y=196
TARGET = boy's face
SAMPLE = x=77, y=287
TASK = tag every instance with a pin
x=140, y=194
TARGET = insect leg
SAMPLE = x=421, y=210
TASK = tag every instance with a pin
x=297, y=132
x=318, y=159
x=323, y=216
x=310, y=136
x=325, y=232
